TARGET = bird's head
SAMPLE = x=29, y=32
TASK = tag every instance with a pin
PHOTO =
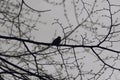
x=59, y=37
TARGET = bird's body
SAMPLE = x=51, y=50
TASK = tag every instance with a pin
x=57, y=41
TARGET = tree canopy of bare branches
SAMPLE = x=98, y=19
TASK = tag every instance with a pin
x=89, y=48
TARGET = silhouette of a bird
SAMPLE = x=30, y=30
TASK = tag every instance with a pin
x=57, y=41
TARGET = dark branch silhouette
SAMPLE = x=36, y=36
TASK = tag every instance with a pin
x=89, y=48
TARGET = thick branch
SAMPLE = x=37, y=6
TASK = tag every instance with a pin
x=48, y=44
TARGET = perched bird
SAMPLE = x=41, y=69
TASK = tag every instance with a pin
x=57, y=41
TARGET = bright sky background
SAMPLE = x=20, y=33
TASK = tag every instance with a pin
x=48, y=31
